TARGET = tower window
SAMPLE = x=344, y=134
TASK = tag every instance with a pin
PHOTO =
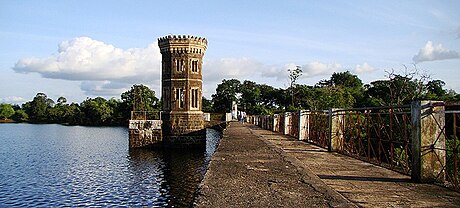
x=194, y=66
x=180, y=64
x=179, y=95
x=194, y=98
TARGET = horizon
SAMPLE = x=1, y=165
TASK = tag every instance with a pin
x=80, y=49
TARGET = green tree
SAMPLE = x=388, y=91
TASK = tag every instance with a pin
x=348, y=84
x=250, y=97
x=6, y=111
x=435, y=90
x=226, y=93
x=75, y=115
x=20, y=116
x=37, y=109
x=96, y=111
x=206, y=105
x=140, y=98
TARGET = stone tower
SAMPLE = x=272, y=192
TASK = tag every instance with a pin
x=182, y=60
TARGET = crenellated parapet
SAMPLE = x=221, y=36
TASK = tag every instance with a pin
x=182, y=44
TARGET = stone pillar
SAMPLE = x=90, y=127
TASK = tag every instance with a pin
x=275, y=122
x=303, y=124
x=335, y=131
x=428, y=141
x=287, y=119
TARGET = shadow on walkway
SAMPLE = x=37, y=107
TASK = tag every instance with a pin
x=361, y=178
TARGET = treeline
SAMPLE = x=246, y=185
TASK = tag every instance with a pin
x=92, y=111
x=342, y=90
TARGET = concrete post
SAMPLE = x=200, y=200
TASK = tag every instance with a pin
x=287, y=119
x=275, y=122
x=428, y=142
x=302, y=124
x=335, y=130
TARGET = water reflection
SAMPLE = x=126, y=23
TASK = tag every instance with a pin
x=182, y=169
x=59, y=166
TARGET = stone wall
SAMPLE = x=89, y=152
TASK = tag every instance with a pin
x=144, y=133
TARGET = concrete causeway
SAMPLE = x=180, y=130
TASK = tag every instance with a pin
x=253, y=167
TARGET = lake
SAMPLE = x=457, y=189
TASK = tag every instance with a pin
x=55, y=165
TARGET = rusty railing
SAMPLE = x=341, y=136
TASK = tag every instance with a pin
x=380, y=135
x=449, y=155
x=145, y=115
x=316, y=125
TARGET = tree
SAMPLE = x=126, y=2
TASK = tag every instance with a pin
x=346, y=79
x=20, y=116
x=96, y=111
x=37, y=109
x=323, y=98
x=226, y=93
x=270, y=99
x=435, y=90
x=407, y=87
x=206, y=105
x=142, y=97
x=250, y=96
x=6, y=111
x=139, y=97
x=293, y=76
x=62, y=100
x=350, y=83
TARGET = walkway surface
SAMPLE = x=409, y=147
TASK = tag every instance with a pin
x=258, y=168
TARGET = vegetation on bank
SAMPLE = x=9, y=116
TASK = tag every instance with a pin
x=342, y=90
x=92, y=111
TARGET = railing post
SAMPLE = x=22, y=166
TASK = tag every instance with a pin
x=286, y=122
x=335, y=132
x=329, y=127
x=428, y=142
x=302, y=124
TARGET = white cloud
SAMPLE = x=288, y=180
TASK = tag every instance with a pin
x=364, y=68
x=105, y=70
x=98, y=64
x=317, y=68
x=432, y=52
x=12, y=100
x=245, y=68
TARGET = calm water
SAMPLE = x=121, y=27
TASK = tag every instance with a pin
x=55, y=165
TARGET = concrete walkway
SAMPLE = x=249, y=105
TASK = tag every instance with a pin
x=362, y=183
x=258, y=168
x=248, y=171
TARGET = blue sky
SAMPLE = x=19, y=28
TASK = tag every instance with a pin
x=80, y=49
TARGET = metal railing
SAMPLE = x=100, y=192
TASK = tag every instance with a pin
x=378, y=135
x=316, y=125
x=449, y=154
x=145, y=115
x=402, y=138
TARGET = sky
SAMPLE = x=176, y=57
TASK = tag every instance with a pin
x=81, y=48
